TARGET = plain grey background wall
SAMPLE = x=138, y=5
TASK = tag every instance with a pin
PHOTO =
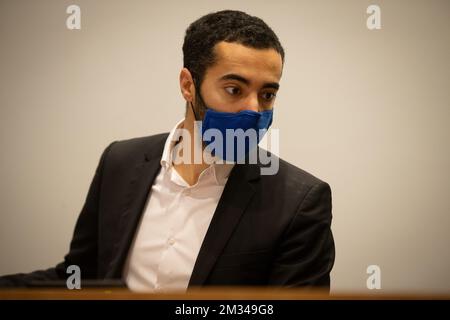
x=365, y=110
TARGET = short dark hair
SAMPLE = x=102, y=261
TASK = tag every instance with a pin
x=227, y=25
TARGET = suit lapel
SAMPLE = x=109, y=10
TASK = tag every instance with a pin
x=139, y=186
x=233, y=202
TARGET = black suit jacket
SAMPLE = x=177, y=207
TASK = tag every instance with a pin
x=266, y=230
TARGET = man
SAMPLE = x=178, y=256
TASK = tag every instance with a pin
x=159, y=223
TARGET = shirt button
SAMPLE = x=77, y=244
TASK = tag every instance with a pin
x=171, y=241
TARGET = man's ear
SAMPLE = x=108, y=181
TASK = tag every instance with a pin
x=187, y=85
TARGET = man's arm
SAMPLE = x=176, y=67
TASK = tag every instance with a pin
x=306, y=254
x=83, y=247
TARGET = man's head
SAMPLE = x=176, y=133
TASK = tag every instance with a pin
x=232, y=62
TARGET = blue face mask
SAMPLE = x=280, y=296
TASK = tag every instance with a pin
x=229, y=148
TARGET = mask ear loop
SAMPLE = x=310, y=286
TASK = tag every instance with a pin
x=199, y=96
x=192, y=106
x=195, y=115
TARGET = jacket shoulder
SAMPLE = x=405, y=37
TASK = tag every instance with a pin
x=135, y=148
x=292, y=175
x=295, y=173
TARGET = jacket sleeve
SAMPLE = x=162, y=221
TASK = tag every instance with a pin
x=83, y=247
x=306, y=253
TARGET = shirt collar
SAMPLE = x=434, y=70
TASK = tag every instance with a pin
x=166, y=159
x=221, y=171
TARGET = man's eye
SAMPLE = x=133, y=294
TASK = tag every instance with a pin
x=232, y=90
x=268, y=95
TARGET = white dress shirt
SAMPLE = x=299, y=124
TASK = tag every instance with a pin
x=173, y=225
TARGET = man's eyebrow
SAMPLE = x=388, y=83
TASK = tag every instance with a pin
x=233, y=76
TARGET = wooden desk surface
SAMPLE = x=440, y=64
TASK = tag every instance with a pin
x=210, y=293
